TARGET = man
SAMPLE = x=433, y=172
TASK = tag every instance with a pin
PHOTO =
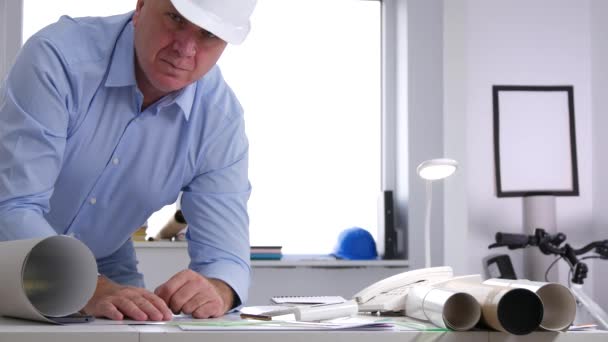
x=105, y=120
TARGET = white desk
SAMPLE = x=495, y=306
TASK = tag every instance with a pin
x=24, y=331
x=15, y=330
x=171, y=334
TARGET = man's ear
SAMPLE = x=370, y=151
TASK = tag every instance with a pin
x=138, y=7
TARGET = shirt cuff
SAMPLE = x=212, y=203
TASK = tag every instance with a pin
x=235, y=275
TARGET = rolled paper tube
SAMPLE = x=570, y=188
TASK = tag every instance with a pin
x=45, y=278
x=517, y=311
x=445, y=308
x=558, y=301
x=173, y=226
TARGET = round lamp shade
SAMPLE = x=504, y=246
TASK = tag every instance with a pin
x=435, y=169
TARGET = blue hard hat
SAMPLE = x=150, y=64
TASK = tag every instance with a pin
x=355, y=244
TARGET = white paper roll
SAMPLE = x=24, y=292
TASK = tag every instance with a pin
x=326, y=311
x=558, y=302
x=451, y=309
x=45, y=278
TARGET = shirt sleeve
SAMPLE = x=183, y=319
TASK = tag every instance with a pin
x=121, y=266
x=215, y=207
x=33, y=129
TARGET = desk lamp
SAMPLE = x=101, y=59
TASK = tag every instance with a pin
x=432, y=170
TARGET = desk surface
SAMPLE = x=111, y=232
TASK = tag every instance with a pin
x=22, y=331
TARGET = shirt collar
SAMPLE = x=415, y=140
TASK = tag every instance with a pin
x=185, y=99
x=122, y=67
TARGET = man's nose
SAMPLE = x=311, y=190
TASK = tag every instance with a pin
x=185, y=44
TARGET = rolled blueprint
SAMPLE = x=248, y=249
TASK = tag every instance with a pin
x=326, y=311
x=174, y=225
x=558, y=302
x=443, y=307
x=45, y=278
x=518, y=311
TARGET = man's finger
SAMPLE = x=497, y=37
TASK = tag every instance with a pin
x=108, y=310
x=160, y=305
x=208, y=310
x=183, y=295
x=127, y=307
x=147, y=307
x=166, y=290
x=195, y=302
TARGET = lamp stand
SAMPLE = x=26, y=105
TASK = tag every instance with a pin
x=427, y=224
x=539, y=212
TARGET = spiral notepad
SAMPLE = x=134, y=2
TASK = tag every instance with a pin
x=307, y=299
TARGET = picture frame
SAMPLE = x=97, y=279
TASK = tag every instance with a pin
x=534, y=141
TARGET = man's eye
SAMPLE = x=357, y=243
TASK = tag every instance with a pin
x=207, y=34
x=177, y=18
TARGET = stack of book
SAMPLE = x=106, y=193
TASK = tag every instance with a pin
x=266, y=252
x=140, y=234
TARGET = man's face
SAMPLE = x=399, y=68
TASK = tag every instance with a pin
x=171, y=52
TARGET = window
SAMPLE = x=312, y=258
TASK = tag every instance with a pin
x=309, y=78
x=39, y=13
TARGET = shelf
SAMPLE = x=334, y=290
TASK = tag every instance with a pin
x=290, y=260
x=160, y=244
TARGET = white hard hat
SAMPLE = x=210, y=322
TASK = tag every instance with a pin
x=227, y=19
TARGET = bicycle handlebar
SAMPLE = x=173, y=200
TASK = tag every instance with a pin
x=550, y=244
x=512, y=241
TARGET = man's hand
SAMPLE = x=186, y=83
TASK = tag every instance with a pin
x=191, y=293
x=119, y=302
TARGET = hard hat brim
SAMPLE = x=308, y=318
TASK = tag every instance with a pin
x=228, y=32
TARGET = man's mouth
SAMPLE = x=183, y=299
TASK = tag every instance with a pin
x=177, y=66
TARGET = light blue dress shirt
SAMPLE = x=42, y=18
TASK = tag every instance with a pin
x=78, y=156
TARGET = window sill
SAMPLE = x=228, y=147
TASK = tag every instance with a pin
x=323, y=261
x=293, y=260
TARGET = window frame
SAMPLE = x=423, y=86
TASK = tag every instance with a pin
x=395, y=155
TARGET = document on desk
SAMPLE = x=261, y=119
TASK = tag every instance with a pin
x=284, y=325
x=45, y=279
x=175, y=320
x=307, y=299
x=359, y=322
x=234, y=322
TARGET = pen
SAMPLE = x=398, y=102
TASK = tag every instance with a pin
x=267, y=316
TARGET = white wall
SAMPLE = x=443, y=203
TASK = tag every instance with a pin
x=10, y=33
x=425, y=122
x=599, y=81
x=3, y=34
x=540, y=42
x=456, y=219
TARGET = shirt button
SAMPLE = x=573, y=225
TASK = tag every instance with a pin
x=93, y=200
x=115, y=161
